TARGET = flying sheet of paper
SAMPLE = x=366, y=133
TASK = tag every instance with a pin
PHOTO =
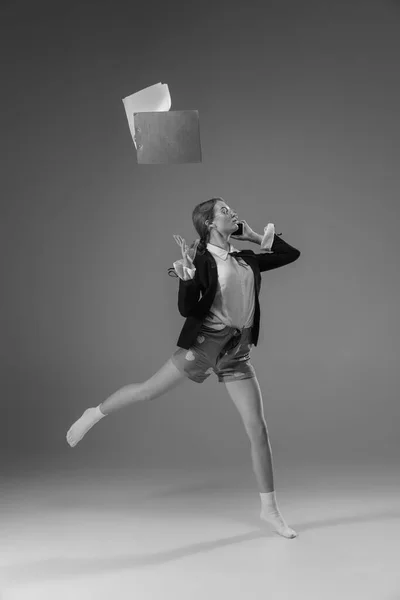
x=167, y=137
x=155, y=98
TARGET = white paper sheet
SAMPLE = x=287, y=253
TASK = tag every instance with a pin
x=155, y=98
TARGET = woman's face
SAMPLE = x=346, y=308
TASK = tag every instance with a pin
x=225, y=218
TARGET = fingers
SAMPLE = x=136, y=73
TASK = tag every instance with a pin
x=179, y=240
x=187, y=253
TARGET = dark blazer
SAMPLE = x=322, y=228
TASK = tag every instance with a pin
x=204, y=284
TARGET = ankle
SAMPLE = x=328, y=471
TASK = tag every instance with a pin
x=268, y=500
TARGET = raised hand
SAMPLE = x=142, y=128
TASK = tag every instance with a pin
x=188, y=254
x=247, y=232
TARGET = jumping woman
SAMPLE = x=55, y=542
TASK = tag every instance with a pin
x=218, y=295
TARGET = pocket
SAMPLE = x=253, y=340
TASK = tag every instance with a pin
x=243, y=351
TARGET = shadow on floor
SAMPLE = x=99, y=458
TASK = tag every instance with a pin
x=55, y=568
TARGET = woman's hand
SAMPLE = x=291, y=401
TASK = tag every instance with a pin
x=247, y=234
x=188, y=254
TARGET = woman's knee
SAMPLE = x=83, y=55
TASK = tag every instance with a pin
x=257, y=431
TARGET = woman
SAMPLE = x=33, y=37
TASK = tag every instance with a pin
x=220, y=328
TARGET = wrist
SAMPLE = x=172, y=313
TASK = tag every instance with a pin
x=256, y=238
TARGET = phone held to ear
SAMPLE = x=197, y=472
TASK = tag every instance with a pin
x=239, y=230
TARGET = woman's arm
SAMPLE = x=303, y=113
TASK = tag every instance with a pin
x=186, y=269
x=188, y=294
x=281, y=253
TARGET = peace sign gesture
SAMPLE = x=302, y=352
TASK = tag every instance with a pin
x=188, y=254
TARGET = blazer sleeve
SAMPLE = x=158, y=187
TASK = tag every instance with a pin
x=189, y=293
x=281, y=254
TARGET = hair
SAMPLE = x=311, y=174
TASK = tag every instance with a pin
x=201, y=213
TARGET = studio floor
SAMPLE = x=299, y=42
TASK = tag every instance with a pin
x=152, y=534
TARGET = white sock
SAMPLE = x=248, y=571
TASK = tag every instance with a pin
x=270, y=513
x=89, y=418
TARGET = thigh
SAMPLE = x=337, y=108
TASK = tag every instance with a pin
x=166, y=378
x=235, y=364
x=247, y=397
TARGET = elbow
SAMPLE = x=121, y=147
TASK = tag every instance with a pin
x=292, y=257
x=183, y=311
x=295, y=255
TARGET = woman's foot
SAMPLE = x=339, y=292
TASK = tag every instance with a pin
x=278, y=523
x=271, y=514
x=89, y=418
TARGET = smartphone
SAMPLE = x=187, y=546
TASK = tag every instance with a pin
x=239, y=231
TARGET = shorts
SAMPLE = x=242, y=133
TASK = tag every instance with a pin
x=225, y=352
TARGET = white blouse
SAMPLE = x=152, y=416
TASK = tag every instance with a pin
x=234, y=301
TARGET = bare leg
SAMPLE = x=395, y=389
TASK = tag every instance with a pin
x=165, y=379
x=161, y=382
x=246, y=395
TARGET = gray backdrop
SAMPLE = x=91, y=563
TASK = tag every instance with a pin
x=299, y=117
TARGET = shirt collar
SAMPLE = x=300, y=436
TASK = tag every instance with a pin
x=220, y=251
